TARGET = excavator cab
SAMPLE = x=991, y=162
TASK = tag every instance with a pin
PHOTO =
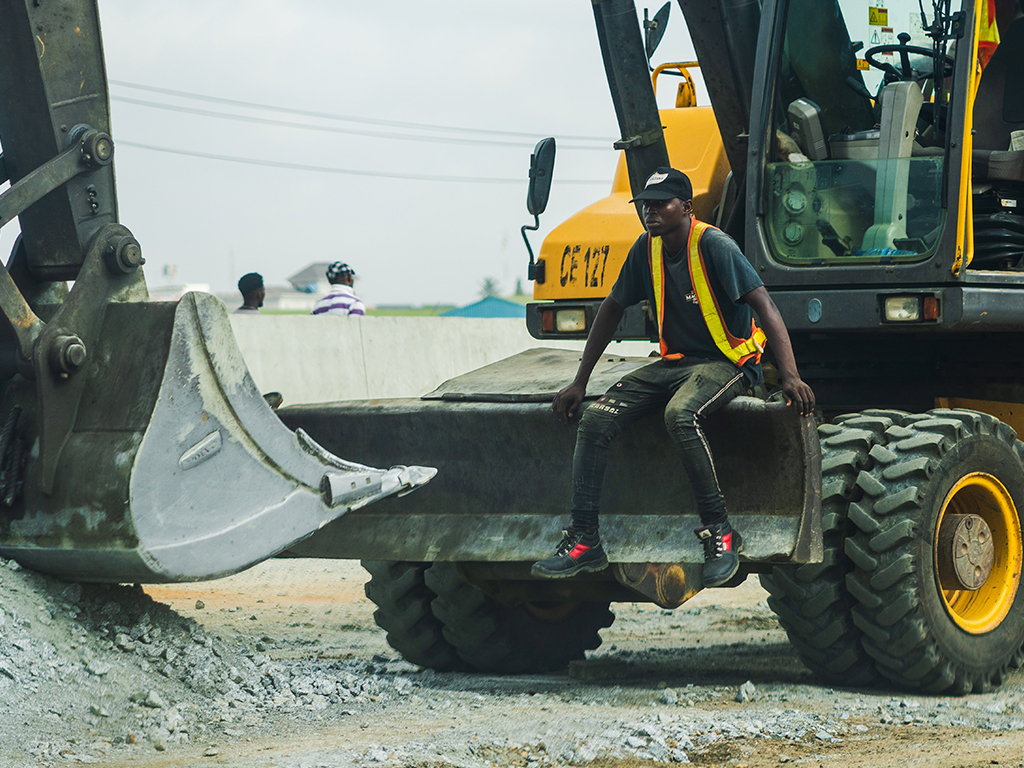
x=872, y=121
x=855, y=165
x=885, y=196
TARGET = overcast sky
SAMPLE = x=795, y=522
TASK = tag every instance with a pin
x=531, y=67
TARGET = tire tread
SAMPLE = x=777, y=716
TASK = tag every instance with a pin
x=899, y=633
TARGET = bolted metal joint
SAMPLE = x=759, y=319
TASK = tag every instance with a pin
x=124, y=255
x=97, y=146
x=97, y=149
x=67, y=355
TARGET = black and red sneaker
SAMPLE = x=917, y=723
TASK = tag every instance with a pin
x=722, y=546
x=576, y=553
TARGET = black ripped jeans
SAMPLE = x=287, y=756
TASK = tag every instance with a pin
x=689, y=389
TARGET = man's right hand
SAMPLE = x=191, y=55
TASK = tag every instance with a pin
x=567, y=401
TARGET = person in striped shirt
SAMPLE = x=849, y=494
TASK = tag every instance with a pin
x=341, y=299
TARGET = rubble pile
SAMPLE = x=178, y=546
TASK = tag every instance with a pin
x=664, y=738
x=108, y=661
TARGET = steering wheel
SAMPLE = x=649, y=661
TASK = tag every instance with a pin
x=906, y=72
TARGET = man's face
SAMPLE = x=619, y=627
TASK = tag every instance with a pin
x=663, y=216
x=261, y=294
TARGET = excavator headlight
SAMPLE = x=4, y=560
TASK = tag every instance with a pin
x=902, y=309
x=570, y=320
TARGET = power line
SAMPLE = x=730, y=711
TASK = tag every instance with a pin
x=332, y=129
x=344, y=118
x=344, y=171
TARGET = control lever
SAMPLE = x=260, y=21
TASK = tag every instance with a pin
x=858, y=87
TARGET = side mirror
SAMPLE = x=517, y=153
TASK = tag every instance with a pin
x=654, y=30
x=542, y=164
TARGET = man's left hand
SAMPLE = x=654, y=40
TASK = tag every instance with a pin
x=797, y=391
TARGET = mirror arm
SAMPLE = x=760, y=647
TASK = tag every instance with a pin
x=535, y=271
x=648, y=26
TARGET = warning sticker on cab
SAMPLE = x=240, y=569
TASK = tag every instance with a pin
x=863, y=64
x=878, y=17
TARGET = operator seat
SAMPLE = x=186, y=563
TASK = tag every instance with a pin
x=999, y=110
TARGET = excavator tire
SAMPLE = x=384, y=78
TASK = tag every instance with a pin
x=497, y=638
x=403, y=612
x=811, y=600
x=924, y=622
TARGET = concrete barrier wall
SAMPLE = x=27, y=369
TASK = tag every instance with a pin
x=319, y=359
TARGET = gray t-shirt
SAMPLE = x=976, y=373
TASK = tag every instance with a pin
x=731, y=276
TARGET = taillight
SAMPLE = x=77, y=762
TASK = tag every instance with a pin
x=547, y=320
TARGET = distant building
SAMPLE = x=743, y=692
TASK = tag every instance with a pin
x=490, y=306
x=311, y=279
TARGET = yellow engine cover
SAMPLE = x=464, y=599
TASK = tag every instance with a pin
x=583, y=255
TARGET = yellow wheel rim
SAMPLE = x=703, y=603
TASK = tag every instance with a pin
x=982, y=610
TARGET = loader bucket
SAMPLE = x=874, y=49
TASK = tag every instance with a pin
x=176, y=468
x=504, y=461
x=134, y=446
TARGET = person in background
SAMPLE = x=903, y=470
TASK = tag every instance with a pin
x=253, y=293
x=341, y=299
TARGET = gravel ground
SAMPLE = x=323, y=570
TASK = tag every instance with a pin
x=283, y=666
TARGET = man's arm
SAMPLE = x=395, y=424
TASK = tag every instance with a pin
x=608, y=318
x=793, y=386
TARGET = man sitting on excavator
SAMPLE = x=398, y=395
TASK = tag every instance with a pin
x=703, y=291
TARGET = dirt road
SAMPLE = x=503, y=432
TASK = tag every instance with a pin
x=283, y=667
x=657, y=674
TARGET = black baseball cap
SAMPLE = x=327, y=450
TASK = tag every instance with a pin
x=665, y=184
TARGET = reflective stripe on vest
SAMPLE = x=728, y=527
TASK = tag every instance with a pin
x=739, y=351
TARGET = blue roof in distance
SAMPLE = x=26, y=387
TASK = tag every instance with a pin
x=490, y=306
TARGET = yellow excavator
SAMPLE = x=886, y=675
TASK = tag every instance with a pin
x=869, y=161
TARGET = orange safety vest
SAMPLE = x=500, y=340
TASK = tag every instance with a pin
x=739, y=351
